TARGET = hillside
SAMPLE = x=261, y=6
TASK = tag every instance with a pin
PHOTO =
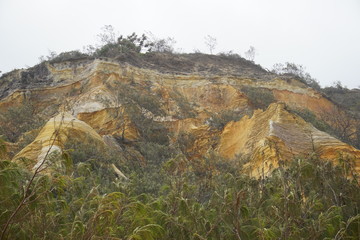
x=141, y=128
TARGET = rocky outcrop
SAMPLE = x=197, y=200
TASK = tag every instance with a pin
x=110, y=121
x=183, y=94
x=53, y=136
x=276, y=135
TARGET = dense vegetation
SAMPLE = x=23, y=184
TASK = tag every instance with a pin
x=344, y=97
x=260, y=98
x=170, y=197
x=13, y=126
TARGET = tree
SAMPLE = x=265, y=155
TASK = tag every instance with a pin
x=259, y=97
x=250, y=54
x=211, y=43
x=161, y=44
x=51, y=56
x=338, y=85
x=108, y=35
x=122, y=45
x=298, y=71
x=342, y=123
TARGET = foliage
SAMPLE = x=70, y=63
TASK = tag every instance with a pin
x=250, y=54
x=230, y=54
x=141, y=109
x=130, y=44
x=67, y=56
x=298, y=71
x=12, y=126
x=346, y=98
x=259, y=97
x=210, y=42
x=186, y=110
x=219, y=120
x=342, y=123
x=310, y=117
x=88, y=156
x=128, y=94
x=336, y=122
x=113, y=46
x=173, y=198
x=164, y=45
x=53, y=57
x=27, y=138
x=186, y=141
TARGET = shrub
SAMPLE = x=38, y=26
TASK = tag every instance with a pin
x=128, y=95
x=164, y=45
x=36, y=74
x=349, y=99
x=298, y=71
x=230, y=55
x=68, y=56
x=310, y=117
x=259, y=97
x=94, y=161
x=219, y=120
x=185, y=109
x=18, y=120
x=155, y=153
x=130, y=44
x=186, y=142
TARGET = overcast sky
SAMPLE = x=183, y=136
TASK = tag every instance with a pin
x=322, y=35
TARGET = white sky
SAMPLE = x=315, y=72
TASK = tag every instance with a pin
x=322, y=35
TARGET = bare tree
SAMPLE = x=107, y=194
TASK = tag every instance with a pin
x=107, y=35
x=342, y=123
x=211, y=43
x=250, y=54
x=297, y=70
x=161, y=44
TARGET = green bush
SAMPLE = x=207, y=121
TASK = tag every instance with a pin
x=185, y=109
x=219, y=120
x=259, y=97
x=124, y=45
x=68, y=56
x=348, y=99
x=17, y=120
x=134, y=103
x=155, y=153
x=310, y=117
x=297, y=71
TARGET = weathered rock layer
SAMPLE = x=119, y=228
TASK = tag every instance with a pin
x=99, y=97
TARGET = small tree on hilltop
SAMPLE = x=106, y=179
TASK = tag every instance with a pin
x=250, y=54
x=296, y=70
x=108, y=35
x=211, y=43
x=161, y=44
